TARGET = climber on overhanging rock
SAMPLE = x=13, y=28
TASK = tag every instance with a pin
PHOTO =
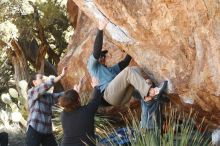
x=119, y=81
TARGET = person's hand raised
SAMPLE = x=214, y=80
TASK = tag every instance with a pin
x=64, y=71
x=58, y=78
x=103, y=23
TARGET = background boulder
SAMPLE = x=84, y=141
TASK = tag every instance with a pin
x=171, y=39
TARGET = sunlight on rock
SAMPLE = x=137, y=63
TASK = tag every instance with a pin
x=188, y=97
x=188, y=100
x=170, y=88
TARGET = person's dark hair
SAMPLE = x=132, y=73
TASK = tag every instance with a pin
x=103, y=53
x=70, y=100
x=30, y=83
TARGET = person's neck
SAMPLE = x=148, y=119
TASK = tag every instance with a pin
x=72, y=109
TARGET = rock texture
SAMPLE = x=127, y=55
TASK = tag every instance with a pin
x=170, y=39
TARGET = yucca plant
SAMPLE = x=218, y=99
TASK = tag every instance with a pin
x=182, y=131
x=178, y=130
x=57, y=127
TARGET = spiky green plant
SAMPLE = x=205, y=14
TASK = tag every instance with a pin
x=179, y=130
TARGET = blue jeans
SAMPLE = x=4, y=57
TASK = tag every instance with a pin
x=3, y=139
x=150, y=112
x=150, y=115
x=35, y=138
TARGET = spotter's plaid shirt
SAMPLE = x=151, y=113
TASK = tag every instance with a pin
x=40, y=107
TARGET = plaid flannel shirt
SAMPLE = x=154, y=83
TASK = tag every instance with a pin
x=40, y=107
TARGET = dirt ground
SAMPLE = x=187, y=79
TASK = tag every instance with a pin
x=16, y=135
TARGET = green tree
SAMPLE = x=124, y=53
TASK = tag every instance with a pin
x=38, y=41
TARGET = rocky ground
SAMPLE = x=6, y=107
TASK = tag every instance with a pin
x=16, y=135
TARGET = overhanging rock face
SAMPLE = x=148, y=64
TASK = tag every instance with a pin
x=171, y=39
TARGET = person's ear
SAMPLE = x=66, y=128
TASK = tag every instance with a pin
x=34, y=82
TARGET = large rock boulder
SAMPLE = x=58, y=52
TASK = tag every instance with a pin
x=171, y=39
